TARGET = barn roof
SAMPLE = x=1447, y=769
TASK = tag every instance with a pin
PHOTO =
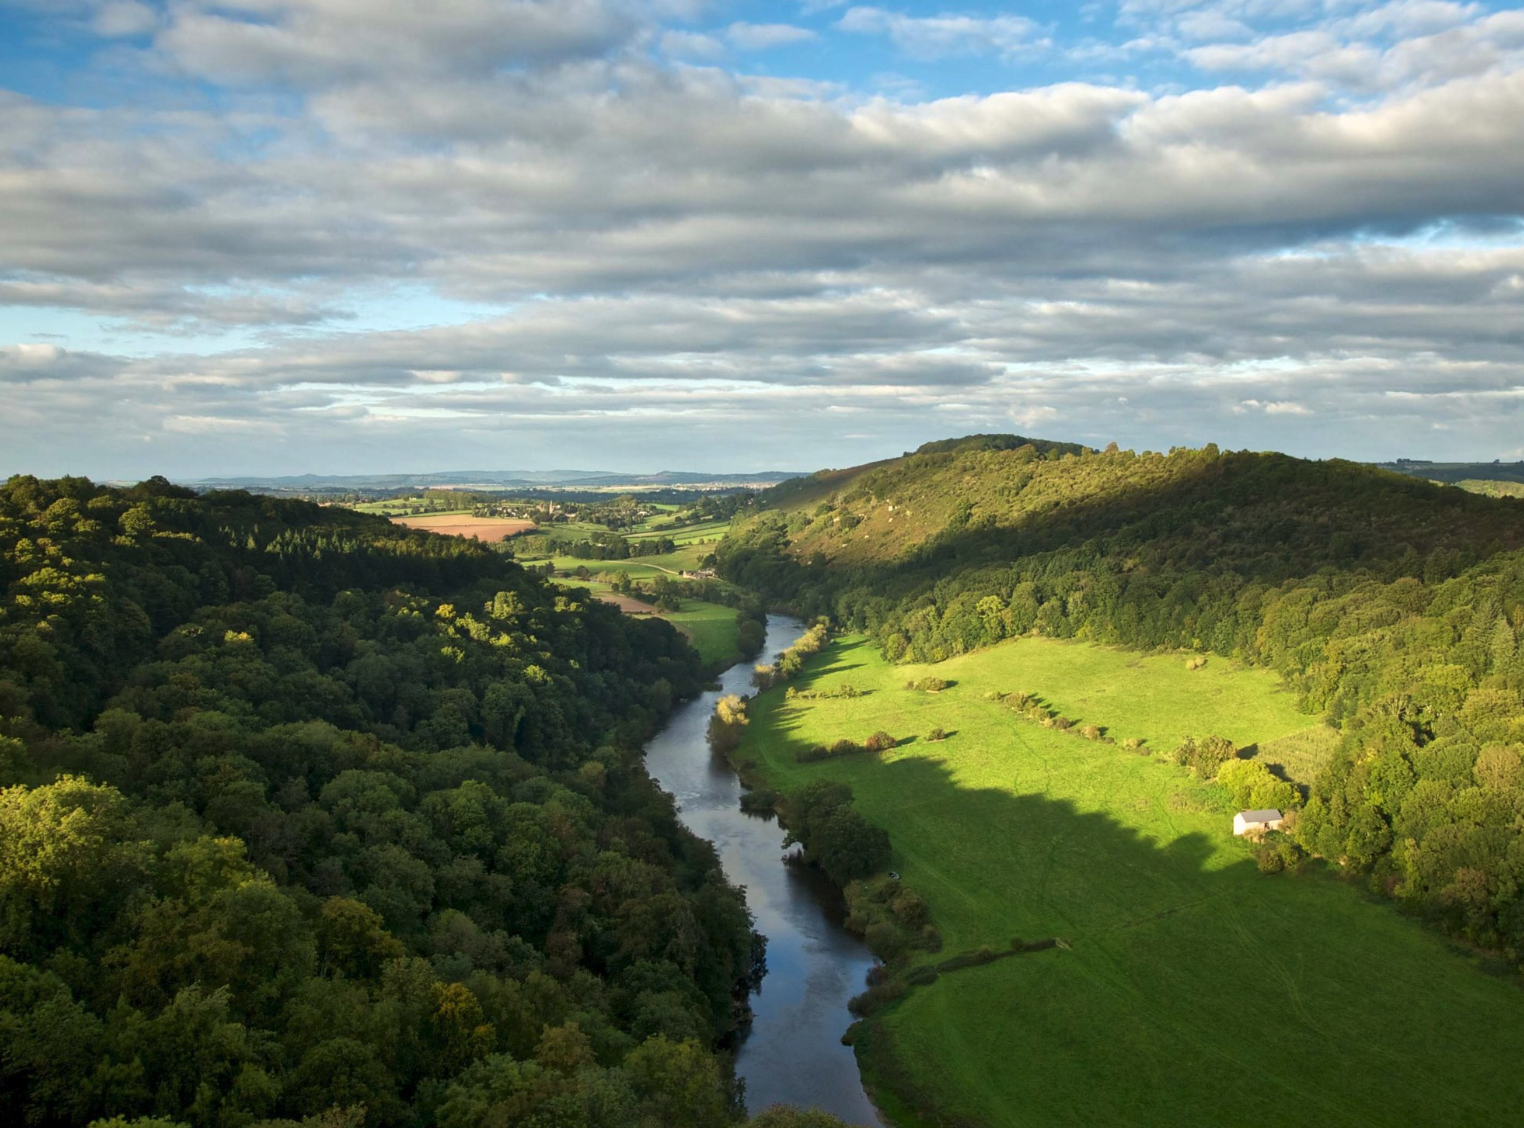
x=1259, y=816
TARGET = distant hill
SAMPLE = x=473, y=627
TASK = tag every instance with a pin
x=1458, y=473
x=491, y=480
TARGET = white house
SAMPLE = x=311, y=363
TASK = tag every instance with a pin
x=1256, y=822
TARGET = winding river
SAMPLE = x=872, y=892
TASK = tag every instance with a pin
x=793, y=1052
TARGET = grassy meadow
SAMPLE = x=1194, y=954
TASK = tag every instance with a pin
x=1188, y=987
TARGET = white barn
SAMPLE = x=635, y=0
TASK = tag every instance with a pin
x=1256, y=822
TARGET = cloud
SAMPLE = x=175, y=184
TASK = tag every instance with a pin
x=1277, y=407
x=25, y=363
x=320, y=42
x=760, y=37
x=937, y=37
x=613, y=236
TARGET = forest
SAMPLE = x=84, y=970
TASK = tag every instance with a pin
x=1392, y=606
x=307, y=818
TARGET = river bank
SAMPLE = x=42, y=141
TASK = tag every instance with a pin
x=792, y=1052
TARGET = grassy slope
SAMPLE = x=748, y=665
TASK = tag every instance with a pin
x=1194, y=986
x=686, y=534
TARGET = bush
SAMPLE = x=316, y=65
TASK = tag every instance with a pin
x=1278, y=852
x=929, y=684
x=922, y=976
x=936, y=735
x=879, y=742
x=762, y=801
x=726, y=724
x=884, y=940
x=1091, y=732
x=1251, y=785
x=875, y=997
x=1206, y=758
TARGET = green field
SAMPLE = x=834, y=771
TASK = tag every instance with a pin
x=711, y=627
x=687, y=534
x=1193, y=989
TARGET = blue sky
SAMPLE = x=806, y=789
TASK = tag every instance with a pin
x=278, y=236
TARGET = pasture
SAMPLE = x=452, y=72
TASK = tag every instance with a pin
x=1189, y=987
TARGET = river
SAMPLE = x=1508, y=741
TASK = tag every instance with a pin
x=793, y=1052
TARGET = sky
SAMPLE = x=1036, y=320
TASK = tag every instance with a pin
x=258, y=237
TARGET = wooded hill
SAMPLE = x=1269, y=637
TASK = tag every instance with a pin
x=306, y=817
x=1391, y=605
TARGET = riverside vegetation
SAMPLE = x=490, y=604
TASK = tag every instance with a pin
x=309, y=818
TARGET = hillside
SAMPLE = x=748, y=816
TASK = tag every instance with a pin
x=306, y=818
x=1391, y=606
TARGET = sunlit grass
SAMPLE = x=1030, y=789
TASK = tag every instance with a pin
x=1193, y=987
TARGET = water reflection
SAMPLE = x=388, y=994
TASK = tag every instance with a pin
x=793, y=1053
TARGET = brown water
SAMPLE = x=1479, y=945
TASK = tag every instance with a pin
x=793, y=1052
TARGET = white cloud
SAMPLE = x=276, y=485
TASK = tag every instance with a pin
x=691, y=45
x=936, y=37
x=761, y=37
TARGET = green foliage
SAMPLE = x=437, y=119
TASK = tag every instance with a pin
x=1391, y=606
x=726, y=724
x=1204, y=759
x=834, y=836
x=1252, y=787
x=307, y=818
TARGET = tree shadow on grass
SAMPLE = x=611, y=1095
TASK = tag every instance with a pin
x=1163, y=942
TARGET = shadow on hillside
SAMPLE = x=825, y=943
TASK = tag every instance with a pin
x=1264, y=518
x=1159, y=946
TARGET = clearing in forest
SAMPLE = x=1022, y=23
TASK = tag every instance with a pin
x=1191, y=986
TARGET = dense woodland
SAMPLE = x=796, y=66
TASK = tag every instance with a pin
x=306, y=817
x=1393, y=606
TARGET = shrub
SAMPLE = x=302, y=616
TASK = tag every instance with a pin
x=929, y=684
x=726, y=724
x=1251, y=785
x=1091, y=732
x=936, y=734
x=922, y=976
x=1206, y=758
x=910, y=909
x=762, y=801
x=1195, y=663
x=879, y=742
x=875, y=997
x=884, y=940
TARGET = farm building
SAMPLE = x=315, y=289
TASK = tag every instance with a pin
x=1256, y=822
x=701, y=574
